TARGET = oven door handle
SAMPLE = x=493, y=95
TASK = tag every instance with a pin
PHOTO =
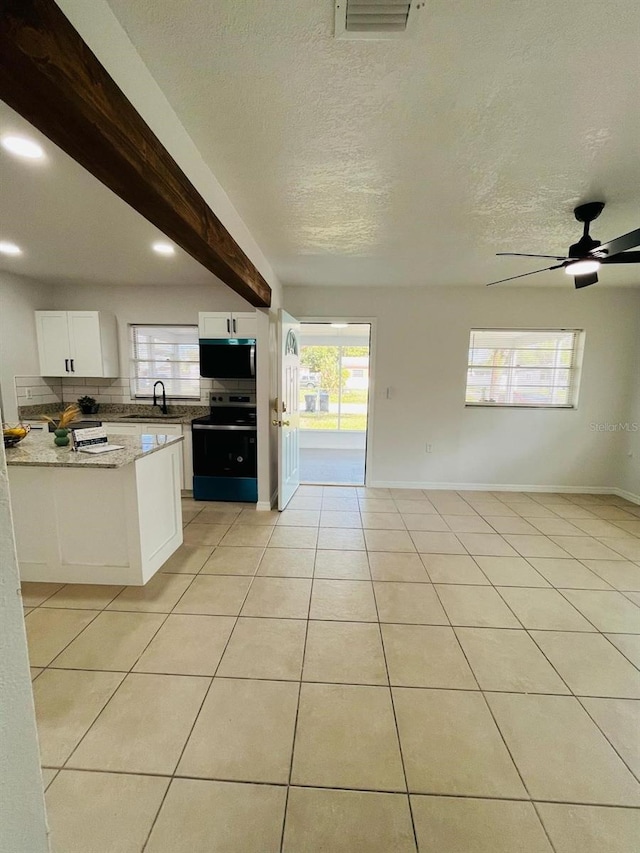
x=252, y=360
x=221, y=427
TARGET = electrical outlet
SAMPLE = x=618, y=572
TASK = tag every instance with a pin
x=429, y=448
x=28, y=393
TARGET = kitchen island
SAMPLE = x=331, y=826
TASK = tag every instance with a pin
x=112, y=518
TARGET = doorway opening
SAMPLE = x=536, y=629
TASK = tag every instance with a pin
x=334, y=402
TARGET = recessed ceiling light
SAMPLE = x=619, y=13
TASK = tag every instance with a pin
x=339, y=325
x=23, y=147
x=582, y=267
x=163, y=248
x=9, y=248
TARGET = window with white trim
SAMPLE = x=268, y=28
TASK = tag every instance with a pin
x=523, y=367
x=169, y=353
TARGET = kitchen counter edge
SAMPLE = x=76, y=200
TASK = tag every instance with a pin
x=40, y=452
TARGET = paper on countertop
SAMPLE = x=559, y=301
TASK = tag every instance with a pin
x=100, y=448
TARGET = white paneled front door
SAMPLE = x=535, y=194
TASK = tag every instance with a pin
x=287, y=416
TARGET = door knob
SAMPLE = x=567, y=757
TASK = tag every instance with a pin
x=276, y=423
x=285, y=423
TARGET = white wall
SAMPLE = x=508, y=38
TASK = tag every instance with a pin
x=23, y=827
x=421, y=341
x=19, y=298
x=629, y=474
x=143, y=304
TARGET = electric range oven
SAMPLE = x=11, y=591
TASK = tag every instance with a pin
x=225, y=459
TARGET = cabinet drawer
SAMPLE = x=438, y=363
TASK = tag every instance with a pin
x=121, y=429
x=160, y=429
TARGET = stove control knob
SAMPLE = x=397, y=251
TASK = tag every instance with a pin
x=240, y=459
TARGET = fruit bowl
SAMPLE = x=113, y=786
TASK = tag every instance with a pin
x=12, y=435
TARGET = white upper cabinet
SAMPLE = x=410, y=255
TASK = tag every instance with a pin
x=77, y=343
x=224, y=324
x=53, y=342
x=245, y=325
x=214, y=325
x=84, y=343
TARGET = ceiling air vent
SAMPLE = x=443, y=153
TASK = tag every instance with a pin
x=374, y=19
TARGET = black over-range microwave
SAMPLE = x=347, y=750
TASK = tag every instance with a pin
x=228, y=358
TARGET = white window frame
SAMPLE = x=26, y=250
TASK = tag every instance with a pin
x=135, y=392
x=574, y=369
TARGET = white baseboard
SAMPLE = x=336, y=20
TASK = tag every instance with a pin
x=267, y=506
x=629, y=496
x=501, y=487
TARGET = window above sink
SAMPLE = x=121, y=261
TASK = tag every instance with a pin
x=167, y=353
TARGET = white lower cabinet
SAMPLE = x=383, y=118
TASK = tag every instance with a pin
x=186, y=465
x=121, y=429
x=160, y=429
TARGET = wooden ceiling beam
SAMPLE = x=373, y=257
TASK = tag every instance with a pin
x=49, y=75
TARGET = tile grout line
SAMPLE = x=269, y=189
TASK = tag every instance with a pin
x=495, y=722
x=393, y=706
x=493, y=798
x=197, y=715
x=501, y=691
x=101, y=711
x=130, y=670
x=502, y=737
x=635, y=775
x=295, y=723
x=81, y=631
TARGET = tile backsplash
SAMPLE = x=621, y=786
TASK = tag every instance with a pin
x=103, y=390
x=36, y=390
x=119, y=390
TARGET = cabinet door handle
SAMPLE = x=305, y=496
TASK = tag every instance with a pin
x=66, y=364
x=73, y=370
x=235, y=331
x=228, y=326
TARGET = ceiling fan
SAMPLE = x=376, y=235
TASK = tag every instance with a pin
x=586, y=256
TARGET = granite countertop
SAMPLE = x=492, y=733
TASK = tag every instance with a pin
x=113, y=413
x=109, y=418
x=39, y=451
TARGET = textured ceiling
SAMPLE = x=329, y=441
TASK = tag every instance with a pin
x=73, y=229
x=412, y=161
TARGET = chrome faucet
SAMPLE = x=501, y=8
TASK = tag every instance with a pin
x=163, y=407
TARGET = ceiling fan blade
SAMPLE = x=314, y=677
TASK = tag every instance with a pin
x=585, y=280
x=524, y=255
x=622, y=258
x=620, y=244
x=522, y=275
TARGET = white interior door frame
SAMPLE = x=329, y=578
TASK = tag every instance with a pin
x=372, y=322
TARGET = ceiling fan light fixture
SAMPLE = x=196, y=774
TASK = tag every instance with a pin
x=582, y=267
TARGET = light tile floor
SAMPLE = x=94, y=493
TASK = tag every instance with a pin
x=371, y=671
